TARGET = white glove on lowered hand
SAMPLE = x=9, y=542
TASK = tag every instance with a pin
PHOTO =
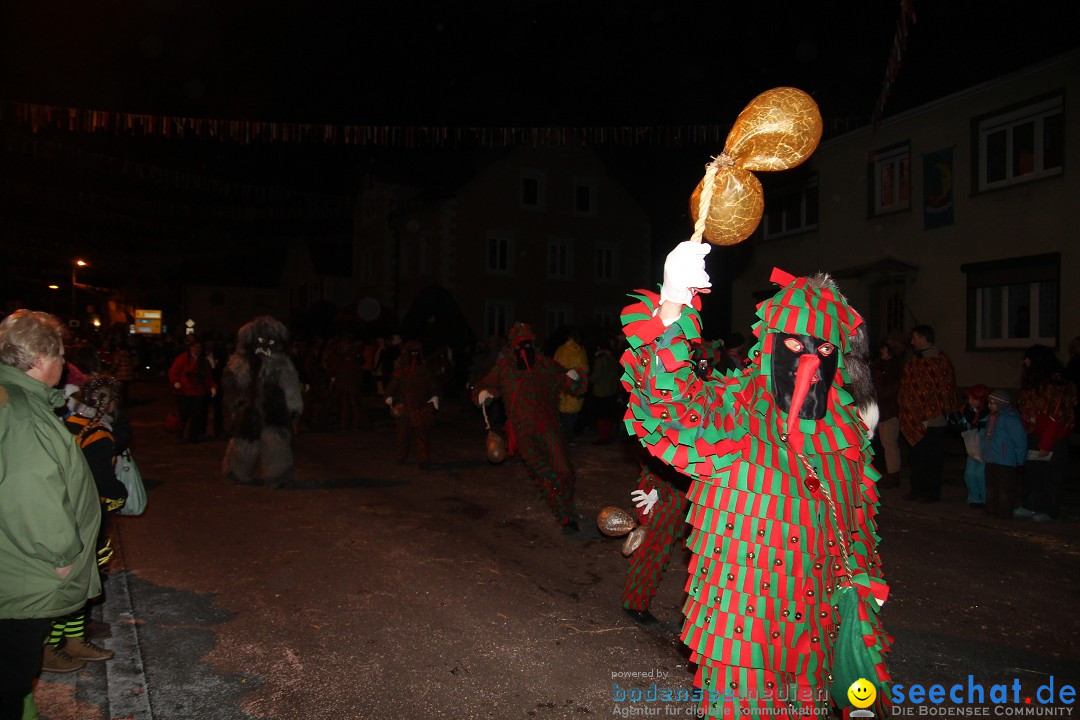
x=483, y=396
x=684, y=272
x=645, y=500
x=573, y=374
x=389, y=400
x=434, y=400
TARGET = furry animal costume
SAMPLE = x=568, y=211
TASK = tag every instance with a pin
x=785, y=580
x=529, y=385
x=262, y=393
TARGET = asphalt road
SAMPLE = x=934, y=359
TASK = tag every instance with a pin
x=378, y=590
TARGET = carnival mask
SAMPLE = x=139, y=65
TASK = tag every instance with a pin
x=803, y=369
x=524, y=355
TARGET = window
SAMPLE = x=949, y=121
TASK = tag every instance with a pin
x=556, y=316
x=890, y=185
x=1022, y=144
x=499, y=254
x=584, y=197
x=560, y=259
x=497, y=314
x=1014, y=303
x=791, y=209
x=605, y=263
x=532, y=189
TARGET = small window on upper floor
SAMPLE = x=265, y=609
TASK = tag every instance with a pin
x=1020, y=144
x=532, y=190
x=584, y=197
x=890, y=179
x=560, y=263
x=791, y=209
x=605, y=263
x=500, y=257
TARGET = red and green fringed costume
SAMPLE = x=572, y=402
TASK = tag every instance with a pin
x=412, y=385
x=664, y=522
x=785, y=582
x=530, y=397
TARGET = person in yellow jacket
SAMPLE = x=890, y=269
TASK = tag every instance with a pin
x=571, y=355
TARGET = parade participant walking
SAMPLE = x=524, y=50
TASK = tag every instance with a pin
x=262, y=392
x=49, y=514
x=414, y=390
x=785, y=581
x=660, y=499
x=529, y=385
x=193, y=384
x=571, y=355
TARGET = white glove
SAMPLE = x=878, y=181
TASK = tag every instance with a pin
x=573, y=374
x=434, y=400
x=389, y=400
x=483, y=396
x=684, y=270
x=645, y=500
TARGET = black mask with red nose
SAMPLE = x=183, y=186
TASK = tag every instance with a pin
x=524, y=355
x=803, y=369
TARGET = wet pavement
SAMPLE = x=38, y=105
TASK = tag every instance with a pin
x=378, y=590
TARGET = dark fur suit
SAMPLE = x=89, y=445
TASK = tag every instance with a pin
x=262, y=392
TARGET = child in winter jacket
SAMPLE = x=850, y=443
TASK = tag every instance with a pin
x=1004, y=450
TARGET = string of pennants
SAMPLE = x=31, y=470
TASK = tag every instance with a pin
x=38, y=118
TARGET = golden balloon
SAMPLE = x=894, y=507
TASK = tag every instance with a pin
x=735, y=208
x=614, y=521
x=778, y=130
x=496, y=447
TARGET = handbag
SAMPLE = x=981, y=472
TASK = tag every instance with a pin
x=128, y=473
x=972, y=444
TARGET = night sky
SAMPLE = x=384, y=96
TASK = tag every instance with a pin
x=530, y=63
x=482, y=64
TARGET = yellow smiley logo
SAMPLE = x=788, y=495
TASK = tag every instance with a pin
x=861, y=693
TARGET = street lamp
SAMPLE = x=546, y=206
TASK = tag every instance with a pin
x=74, y=267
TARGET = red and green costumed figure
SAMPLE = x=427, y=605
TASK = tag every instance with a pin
x=414, y=392
x=785, y=581
x=529, y=385
x=661, y=509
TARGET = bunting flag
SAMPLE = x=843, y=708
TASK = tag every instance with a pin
x=37, y=118
x=896, y=52
x=40, y=148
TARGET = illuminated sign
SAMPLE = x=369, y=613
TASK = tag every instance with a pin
x=148, y=322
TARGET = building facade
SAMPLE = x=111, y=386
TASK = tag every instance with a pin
x=954, y=215
x=541, y=235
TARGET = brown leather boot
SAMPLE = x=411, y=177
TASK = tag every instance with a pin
x=82, y=649
x=56, y=660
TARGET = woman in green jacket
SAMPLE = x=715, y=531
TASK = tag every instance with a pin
x=49, y=514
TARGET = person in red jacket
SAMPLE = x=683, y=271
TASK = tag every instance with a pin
x=193, y=384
